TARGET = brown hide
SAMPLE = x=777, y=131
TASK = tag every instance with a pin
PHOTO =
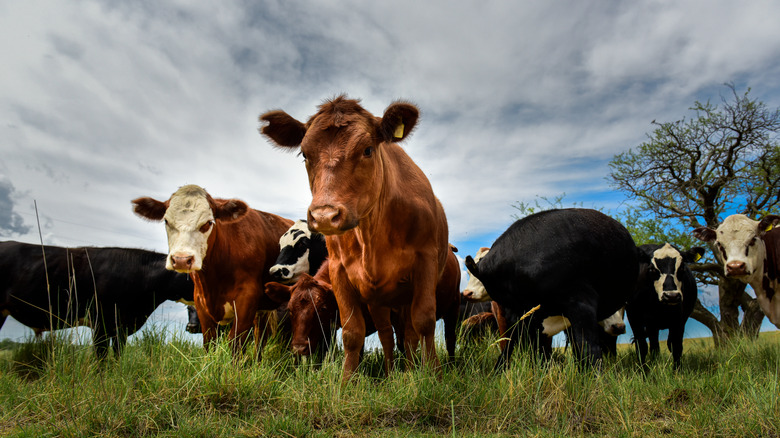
x=385, y=230
x=240, y=252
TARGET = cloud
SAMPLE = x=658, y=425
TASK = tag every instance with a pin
x=10, y=223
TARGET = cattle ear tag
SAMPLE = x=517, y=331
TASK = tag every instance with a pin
x=769, y=228
x=399, y=130
x=697, y=258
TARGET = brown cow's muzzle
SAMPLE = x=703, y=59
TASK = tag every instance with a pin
x=329, y=220
x=301, y=349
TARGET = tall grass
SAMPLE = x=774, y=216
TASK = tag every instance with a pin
x=161, y=387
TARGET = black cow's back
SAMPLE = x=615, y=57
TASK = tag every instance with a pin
x=556, y=256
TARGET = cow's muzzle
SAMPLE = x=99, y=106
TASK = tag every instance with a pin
x=280, y=274
x=671, y=298
x=301, y=349
x=182, y=263
x=193, y=328
x=736, y=269
x=330, y=220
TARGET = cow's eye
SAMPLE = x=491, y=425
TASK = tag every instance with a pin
x=752, y=241
x=368, y=151
x=206, y=227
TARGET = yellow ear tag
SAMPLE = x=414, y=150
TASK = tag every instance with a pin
x=399, y=131
x=698, y=257
x=769, y=228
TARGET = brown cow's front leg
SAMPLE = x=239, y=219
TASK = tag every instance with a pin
x=353, y=335
x=384, y=328
x=411, y=337
x=423, y=312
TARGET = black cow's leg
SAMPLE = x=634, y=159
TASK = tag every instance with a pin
x=512, y=334
x=100, y=341
x=119, y=342
x=652, y=335
x=675, y=342
x=584, y=332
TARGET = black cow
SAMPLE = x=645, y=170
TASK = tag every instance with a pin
x=578, y=264
x=664, y=298
x=112, y=290
x=301, y=250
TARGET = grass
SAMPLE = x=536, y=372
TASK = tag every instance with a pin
x=158, y=388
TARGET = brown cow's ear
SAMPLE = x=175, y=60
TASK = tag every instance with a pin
x=398, y=121
x=705, y=234
x=229, y=210
x=277, y=292
x=282, y=129
x=767, y=223
x=149, y=208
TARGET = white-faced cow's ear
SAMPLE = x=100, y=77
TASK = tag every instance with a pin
x=767, y=223
x=693, y=255
x=398, y=121
x=229, y=210
x=278, y=292
x=283, y=130
x=149, y=208
x=705, y=234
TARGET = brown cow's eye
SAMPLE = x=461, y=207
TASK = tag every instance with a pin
x=368, y=152
x=206, y=227
x=752, y=241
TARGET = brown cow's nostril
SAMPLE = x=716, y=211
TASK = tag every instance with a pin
x=736, y=268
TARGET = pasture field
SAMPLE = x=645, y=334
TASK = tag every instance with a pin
x=174, y=389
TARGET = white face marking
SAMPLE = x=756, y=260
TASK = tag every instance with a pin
x=614, y=322
x=187, y=214
x=552, y=325
x=475, y=290
x=230, y=315
x=666, y=252
x=299, y=230
x=737, y=242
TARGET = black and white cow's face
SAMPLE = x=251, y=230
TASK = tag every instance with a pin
x=665, y=271
x=739, y=245
x=293, y=259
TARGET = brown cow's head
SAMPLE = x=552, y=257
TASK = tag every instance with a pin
x=342, y=146
x=189, y=216
x=313, y=309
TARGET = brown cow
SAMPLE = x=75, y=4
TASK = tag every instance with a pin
x=227, y=248
x=385, y=230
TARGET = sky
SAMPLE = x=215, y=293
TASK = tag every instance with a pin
x=104, y=102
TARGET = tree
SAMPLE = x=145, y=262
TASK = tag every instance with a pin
x=694, y=172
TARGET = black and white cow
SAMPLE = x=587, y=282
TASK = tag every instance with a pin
x=112, y=290
x=664, y=298
x=750, y=252
x=301, y=251
x=576, y=264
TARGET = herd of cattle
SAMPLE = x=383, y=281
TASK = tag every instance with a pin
x=373, y=257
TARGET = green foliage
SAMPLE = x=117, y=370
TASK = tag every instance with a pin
x=181, y=390
x=692, y=171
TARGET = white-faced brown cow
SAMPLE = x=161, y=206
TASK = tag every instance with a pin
x=385, y=230
x=750, y=252
x=227, y=248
